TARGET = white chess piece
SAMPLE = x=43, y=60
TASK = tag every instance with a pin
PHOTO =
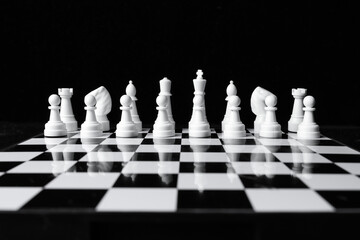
x=308, y=129
x=131, y=91
x=165, y=87
x=270, y=128
x=91, y=128
x=66, y=111
x=234, y=128
x=162, y=126
x=199, y=86
x=297, y=114
x=199, y=127
x=103, y=106
x=54, y=127
x=230, y=91
x=258, y=106
x=126, y=127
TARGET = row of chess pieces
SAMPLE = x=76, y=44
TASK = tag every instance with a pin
x=98, y=105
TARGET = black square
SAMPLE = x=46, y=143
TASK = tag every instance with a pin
x=116, y=148
x=60, y=198
x=147, y=156
x=275, y=181
x=29, y=148
x=202, y=148
x=69, y=156
x=93, y=167
x=342, y=199
x=317, y=168
x=289, y=149
x=206, y=167
x=192, y=199
x=240, y=141
x=349, y=158
x=146, y=181
x=25, y=180
x=6, y=166
x=161, y=141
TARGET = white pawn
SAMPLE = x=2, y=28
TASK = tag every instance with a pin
x=91, y=127
x=308, y=129
x=131, y=91
x=234, y=128
x=55, y=127
x=270, y=128
x=230, y=91
x=198, y=126
x=162, y=126
x=126, y=127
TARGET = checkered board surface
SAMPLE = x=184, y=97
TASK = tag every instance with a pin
x=180, y=174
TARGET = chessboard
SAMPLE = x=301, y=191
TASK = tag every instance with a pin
x=180, y=174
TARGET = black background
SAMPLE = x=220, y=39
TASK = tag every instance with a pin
x=86, y=44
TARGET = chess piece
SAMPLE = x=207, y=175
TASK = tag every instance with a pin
x=55, y=127
x=103, y=106
x=234, y=128
x=308, y=129
x=126, y=127
x=230, y=91
x=199, y=86
x=66, y=111
x=91, y=128
x=270, y=128
x=162, y=127
x=297, y=114
x=165, y=87
x=131, y=91
x=198, y=126
x=258, y=106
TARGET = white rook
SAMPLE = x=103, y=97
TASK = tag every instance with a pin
x=298, y=112
x=66, y=111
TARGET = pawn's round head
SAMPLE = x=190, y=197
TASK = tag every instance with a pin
x=125, y=101
x=271, y=101
x=90, y=100
x=198, y=101
x=161, y=101
x=54, y=100
x=309, y=101
x=234, y=101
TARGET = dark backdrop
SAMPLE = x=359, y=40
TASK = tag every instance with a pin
x=86, y=44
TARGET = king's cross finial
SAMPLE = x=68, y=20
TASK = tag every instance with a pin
x=199, y=74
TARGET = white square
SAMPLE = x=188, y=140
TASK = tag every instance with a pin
x=83, y=181
x=139, y=199
x=177, y=136
x=301, y=158
x=279, y=142
x=55, y=167
x=247, y=136
x=204, y=157
x=261, y=168
x=333, y=149
x=200, y=141
x=159, y=167
x=103, y=135
x=353, y=168
x=13, y=198
x=159, y=148
x=73, y=148
x=287, y=200
x=43, y=141
x=122, y=141
x=17, y=156
x=107, y=157
x=246, y=149
x=294, y=135
x=209, y=181
x=331, y=181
